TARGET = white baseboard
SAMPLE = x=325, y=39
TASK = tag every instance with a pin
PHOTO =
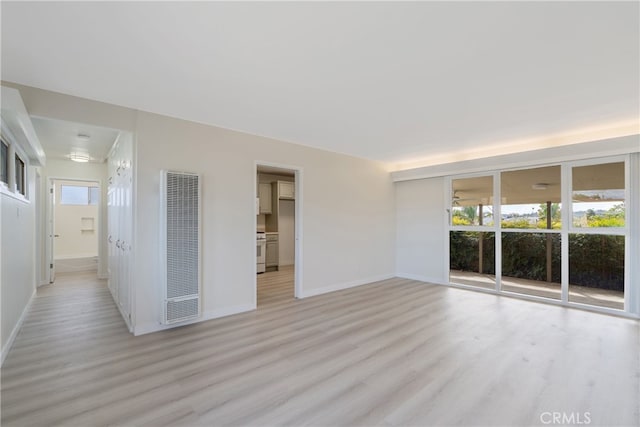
x=16, y=329
x=346, y=285
x=149, y=327
x=421, y=278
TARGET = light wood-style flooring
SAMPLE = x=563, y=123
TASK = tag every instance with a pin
x=393, y=353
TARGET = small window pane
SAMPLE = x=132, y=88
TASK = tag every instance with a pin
x=74, y=195
x=4, y=162
x=598, y=195
x=596, y=270
x=94, y=195
x=20, y=176
x=472, y=258
x=472, y=201
x=531, y=264
x=527, y=195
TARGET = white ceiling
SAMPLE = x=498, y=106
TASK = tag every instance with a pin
x=60, y=138
x=393, y=81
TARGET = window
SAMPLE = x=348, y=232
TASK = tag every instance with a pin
x=472, y=258
x=4, y=162
x=471, y=249
x=472, y=201
x=597, y=246
x=79, y=195
x=527, y=195
x=20, y=176
x=531, y=201
x=558, y=232
x=598, y=195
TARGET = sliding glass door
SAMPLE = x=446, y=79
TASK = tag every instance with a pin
x=531, y=221
x=598, y=234
x=557, y=232
x=471, y=237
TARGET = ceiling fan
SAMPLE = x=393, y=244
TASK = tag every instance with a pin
x=455, y=199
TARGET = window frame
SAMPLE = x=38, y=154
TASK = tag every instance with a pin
x=4, y=180
x=20, y=175
x=89, y=198
x=17, y=189
x=569, y=196
x=567, y=228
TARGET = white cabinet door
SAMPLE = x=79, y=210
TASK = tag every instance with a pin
x=272, y=254
x=120, y=223
x=286, y=190
x=264, y=193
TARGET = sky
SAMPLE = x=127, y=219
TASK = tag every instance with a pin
x=527, y=209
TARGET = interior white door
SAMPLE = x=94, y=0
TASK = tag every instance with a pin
x=51, y=232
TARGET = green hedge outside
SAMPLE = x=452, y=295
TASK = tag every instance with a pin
x=595, y=261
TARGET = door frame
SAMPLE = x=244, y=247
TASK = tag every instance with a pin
x=50, y=224
x=298, y=253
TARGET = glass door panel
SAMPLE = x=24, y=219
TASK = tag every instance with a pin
x=472, y=201
x=528, y=195
x=531, y=264
x=598, y=195
x=596, y=270
x=472, y=258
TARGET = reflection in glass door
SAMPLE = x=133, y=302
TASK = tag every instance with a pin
x=531, y=220
x=559, y=232
x=597, y=241
x=471, y=239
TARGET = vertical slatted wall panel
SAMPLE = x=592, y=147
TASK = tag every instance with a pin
x=182, y=255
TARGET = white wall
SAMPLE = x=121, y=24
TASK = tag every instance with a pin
x=420, y=222
x=421, y=247
x=57, y=168
x=17, y=255
x=348, y=214
x=17, y=220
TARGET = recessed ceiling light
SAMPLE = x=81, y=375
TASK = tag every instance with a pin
x=540, y=186
x=79, y=157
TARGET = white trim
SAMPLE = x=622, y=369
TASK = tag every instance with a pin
x=524, y=160
x=565, y=220
x=346, y=285
x=16, y=329
x=124, y=316
x=17, y=196
x=421, y=278
x=16, y=117
x=149, y=327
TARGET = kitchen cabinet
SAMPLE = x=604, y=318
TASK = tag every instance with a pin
x=264, y=194
x=280, y=191
x=272, y=251
x=286, y=190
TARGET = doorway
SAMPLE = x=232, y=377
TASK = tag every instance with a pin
x=73, y=226
x=278, y=233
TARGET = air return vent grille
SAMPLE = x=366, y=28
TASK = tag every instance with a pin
x=181, y=245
